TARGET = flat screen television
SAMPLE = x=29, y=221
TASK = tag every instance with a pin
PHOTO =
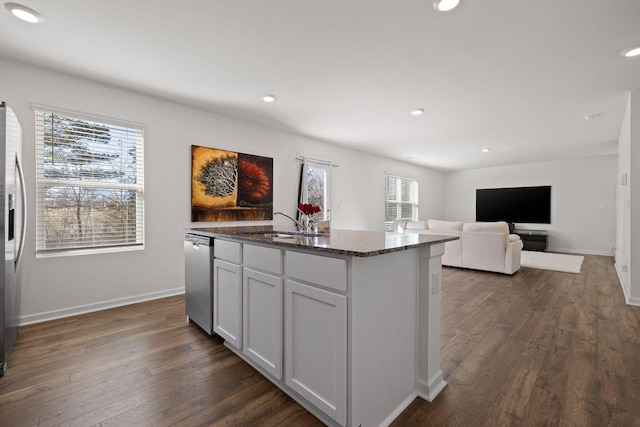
x=516, y=204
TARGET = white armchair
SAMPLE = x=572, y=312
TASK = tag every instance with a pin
x=489, y=246
x=482, y=245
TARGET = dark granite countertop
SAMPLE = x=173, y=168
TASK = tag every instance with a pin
x=341, y=242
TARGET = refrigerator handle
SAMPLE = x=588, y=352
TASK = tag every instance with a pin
x=23, y=186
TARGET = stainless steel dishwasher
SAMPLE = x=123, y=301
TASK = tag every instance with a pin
x=198, y=283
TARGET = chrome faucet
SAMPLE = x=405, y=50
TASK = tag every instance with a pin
x=300, y=226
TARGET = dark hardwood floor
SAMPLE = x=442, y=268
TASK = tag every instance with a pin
x=539, y=348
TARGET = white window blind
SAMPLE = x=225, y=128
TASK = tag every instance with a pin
x=90, y=183
x=401, y=199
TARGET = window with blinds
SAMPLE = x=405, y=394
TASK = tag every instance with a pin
x=90, y=183
x=401, y=199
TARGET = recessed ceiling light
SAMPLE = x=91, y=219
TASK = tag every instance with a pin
x=630, y=53
x=269, y=98
x=486, y=150
x=445, y=5
x=24, y=13
x=417, y=111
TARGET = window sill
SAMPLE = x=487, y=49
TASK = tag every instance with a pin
x=88, y=251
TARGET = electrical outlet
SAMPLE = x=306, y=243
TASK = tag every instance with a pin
x=436, y=283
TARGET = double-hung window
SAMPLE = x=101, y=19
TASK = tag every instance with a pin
x=90, y=183
x=401, y=199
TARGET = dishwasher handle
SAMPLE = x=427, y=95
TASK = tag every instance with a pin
x=198, y=240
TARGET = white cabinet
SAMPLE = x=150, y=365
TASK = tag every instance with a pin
x=286, y=313
x=312, y=322
x=316, y=347
x=262, y=320
x=227, y=301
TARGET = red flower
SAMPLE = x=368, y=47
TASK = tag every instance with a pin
x=308, y=208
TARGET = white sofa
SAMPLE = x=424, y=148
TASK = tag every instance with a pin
x=482, y=245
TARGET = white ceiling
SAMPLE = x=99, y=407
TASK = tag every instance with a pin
x=514, y=75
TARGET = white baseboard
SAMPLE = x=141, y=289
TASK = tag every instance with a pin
x=628, y=299
x=429, y=391
x=400, y=409
x=624, y=290
x=89, y=308
x=579, y=251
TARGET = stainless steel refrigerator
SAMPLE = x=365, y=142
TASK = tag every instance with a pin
x=13, y=223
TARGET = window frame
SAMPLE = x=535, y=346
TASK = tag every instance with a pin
x=398, y=202
x=43, y=182
x=326, y=166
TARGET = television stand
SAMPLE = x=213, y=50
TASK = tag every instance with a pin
x=533, y=240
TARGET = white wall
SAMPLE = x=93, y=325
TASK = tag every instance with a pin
x=582, y=199
x=634, y=190
x=61, y=286
x=623, y=207
x=628, y=212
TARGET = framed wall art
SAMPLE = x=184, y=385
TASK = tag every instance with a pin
x=230, y=186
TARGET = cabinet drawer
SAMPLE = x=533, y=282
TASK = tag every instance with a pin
x=534, y=237
x=321, y=270
x=262, y=258
x=229, y=251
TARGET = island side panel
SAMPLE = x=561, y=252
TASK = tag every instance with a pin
x=430, y=380
x=382, y=336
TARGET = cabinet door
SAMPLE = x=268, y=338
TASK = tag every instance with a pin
x=262, y=320
x=227, y=302
x=316, y=347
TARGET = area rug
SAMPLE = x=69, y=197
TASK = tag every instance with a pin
x=551, y=261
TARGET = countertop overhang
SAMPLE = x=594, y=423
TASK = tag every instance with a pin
x=337, y=241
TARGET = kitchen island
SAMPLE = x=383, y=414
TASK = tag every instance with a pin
x=347, y=323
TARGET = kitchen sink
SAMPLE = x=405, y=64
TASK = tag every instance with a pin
x=281, y=234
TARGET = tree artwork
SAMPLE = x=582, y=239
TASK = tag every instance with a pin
x=230, y=186
x=253, y=182
x=219, y=176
